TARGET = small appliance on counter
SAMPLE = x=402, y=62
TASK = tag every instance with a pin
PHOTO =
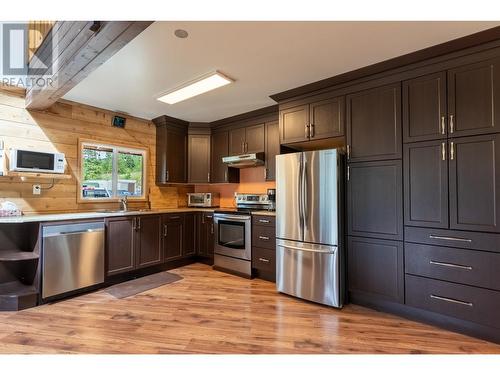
x=271, y=196
x=233, y=233
x=203, y=200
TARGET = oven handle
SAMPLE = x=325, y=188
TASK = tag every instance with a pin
x=232, y=217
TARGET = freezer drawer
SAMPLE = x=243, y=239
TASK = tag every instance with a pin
x=72, y=257
x=309, y=271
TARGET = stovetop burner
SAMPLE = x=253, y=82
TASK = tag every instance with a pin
x=246, y=203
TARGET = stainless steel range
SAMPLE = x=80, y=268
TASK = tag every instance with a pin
x=233, y=233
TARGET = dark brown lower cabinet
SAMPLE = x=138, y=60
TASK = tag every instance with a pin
x=264, y=247
x=148, y=241
x=375, y=268
x=173, y=236
x=205, y=234
x=189, y=229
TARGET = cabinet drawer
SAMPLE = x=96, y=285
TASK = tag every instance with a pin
x=459, y=301
x=264, y=259
x=264, y=237
x=470, y=267
x=173, y=217
x=268, y=221
x=454, y=238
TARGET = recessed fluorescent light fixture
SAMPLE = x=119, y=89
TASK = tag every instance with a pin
x=196, y=87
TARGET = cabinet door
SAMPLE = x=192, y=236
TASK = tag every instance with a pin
x=189, y=234
x=173, y=237
x=272, y=149
x=474, y=99
x=474, y=183
x=255, y=139
x=209, y=219
x=237, y=141
x=426, y=184
x=161, y=154
x=374, y=124
x=148, y=243
x=202, y=234
x=375, y=267
x=294, y=124
x=199, y=158
x=375, y=200
x=424, y=108
x=327, y=118
x=120, y=237
x=176, y=156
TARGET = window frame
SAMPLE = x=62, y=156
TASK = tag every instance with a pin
x=116, y=147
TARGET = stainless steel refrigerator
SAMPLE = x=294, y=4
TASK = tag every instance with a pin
x=309, y=226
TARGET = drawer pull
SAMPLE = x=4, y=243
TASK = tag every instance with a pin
x=264, y=260
x=264, y=238
x=451, y=265
x=264, y=221
x=174, y=217
x=451, y=300
x=432, y=236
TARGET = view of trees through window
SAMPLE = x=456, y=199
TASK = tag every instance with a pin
x=110, y=172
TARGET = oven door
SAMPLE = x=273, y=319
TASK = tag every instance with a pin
x=233, y=236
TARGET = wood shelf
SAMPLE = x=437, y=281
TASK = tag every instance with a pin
x=55, y=176
x=16, y=255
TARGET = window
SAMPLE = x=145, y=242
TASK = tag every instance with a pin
x=111, y=172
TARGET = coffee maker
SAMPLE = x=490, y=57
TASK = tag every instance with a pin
x=271, y=196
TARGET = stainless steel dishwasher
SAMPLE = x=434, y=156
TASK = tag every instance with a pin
x=72, y=257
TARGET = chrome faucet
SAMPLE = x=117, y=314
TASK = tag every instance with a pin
x=124, y=203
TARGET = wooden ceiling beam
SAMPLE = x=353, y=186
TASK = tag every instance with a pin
x=73, y=50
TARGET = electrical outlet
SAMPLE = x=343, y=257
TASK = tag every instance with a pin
x=37, y=190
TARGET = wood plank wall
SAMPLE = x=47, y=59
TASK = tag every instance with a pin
x=59, y=128
x=37, y=31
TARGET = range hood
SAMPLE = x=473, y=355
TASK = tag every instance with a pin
x=244, y=161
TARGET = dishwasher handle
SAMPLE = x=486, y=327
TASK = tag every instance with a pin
x=72, y=229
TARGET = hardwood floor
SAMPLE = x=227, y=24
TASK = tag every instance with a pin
x=213, y=312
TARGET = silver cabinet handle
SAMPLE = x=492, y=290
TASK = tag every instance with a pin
x=212, y=229
x=165, y=229
x=209, y=216
x=264, y=221
x=225, y=175
x=348, y=172
x=432, y=236
x=451, y=124
x=311, y=131
x=307, y=132
x=445, y=299
x=264, y=260
x=443, y=151
x=265, y=173
x=175, y=217
x=208, y=177
x=452, y=151
x=138, y=223
x=167, y=176
x=264, y=238
x=348, y=152
x=443, y=129
x=450, y=265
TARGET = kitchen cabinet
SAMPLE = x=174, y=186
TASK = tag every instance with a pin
x=148, y=241
x=474, y=170
x=264, y=247
x=205, y=234
x=190, y=231
x=246, y=140
x=426, y=184
x=132, y=242
x=424, y=108
x=220, y=172
x=173, y=236
x=317, y=120
x=272, y=149
x=375, y=268
x=474, y=98
x=199, y=158
x=374, y=124
x=171, y=153
x=375, y=201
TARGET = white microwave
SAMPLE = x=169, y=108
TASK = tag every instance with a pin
x=34, y=161
x=203, y=199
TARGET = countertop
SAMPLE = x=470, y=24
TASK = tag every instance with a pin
x=33, y=218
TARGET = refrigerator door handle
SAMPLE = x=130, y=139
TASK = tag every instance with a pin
x=306, y=249
x=299, y=196
x=304, y=193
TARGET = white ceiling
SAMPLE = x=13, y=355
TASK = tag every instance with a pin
x=264, y=58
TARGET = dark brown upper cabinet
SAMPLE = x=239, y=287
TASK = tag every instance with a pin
x=220, y=172
x=250, y=139
x=426, y=184
x=314, y=121
x=272, y=149
x=199, y=158
x=375, y=201
x=424, y=108
x=474, y=99
x=374, y=124
x=474, y=170
x=171, y=150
